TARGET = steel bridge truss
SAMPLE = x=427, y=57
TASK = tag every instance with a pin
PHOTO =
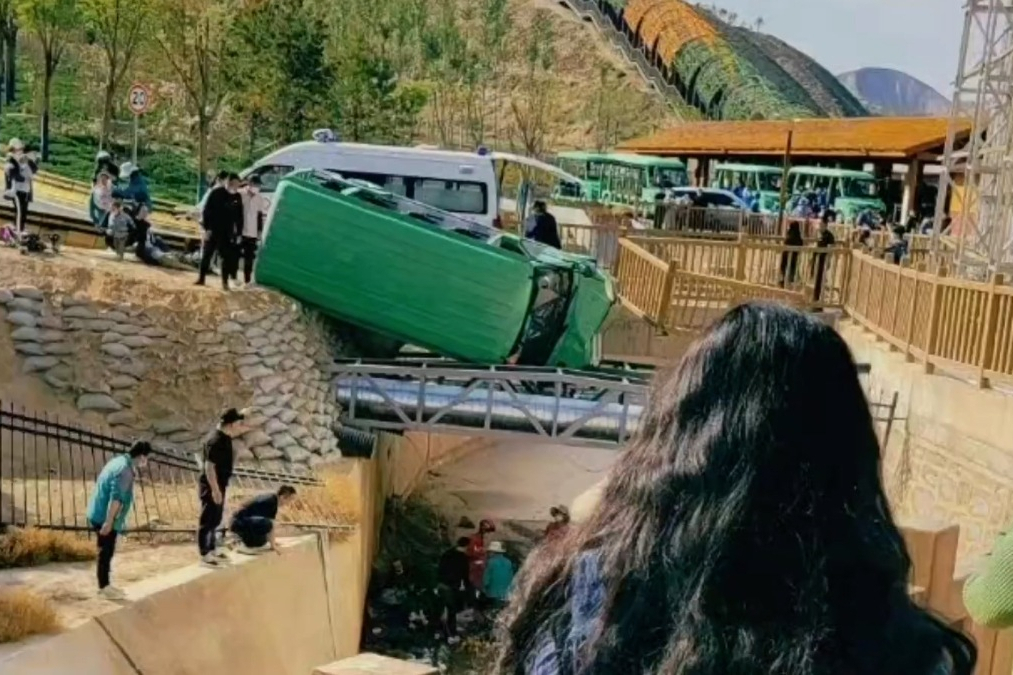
x=590, y=408
x=574, y=407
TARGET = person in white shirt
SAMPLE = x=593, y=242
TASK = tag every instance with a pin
x=254, y=212
x=101, y=199
x=19, y=172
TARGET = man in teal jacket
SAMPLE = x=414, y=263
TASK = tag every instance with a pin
x=108, y=508
x=499, y=575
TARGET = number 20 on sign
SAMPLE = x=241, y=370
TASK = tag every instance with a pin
x=139, y=99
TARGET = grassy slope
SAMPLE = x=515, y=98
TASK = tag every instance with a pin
x=581, y=56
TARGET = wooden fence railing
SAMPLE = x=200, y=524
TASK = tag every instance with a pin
x=933, y=318
x=684, y=283
x=819, y=273
x=643, y=282
x=678, y=297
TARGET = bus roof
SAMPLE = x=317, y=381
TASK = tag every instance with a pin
x=749, y=168
x=622, y=158
x=647, y=160
x=831, y=172
x=582, y=156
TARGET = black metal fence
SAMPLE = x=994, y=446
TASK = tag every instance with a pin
x=48, y=470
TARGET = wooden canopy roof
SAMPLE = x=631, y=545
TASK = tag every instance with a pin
x=898, y=138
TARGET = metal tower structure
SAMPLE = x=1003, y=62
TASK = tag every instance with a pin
x=983, y=95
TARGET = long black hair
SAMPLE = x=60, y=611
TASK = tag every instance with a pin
x=745, y=530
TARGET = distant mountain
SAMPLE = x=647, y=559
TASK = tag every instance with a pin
x=891, y=92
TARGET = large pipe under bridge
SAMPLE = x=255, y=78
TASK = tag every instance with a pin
x=588, y=408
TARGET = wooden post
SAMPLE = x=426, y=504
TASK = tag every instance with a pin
x=856, y=302
x=740, y=260
x=935, y=313
x=896, y=303
x=990, y=325
x=919, y=270
x=933, y=552
x=666, y=296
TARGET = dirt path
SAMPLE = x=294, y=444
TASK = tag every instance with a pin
x=71, y=587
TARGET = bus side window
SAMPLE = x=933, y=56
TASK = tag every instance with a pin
x=270, y=175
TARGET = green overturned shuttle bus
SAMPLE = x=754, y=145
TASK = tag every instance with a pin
x=419, y=275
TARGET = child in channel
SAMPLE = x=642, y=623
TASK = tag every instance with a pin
x=119, y=228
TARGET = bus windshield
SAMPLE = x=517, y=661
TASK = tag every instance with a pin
x=770, y=182
x=670, y=177
x=858, y=188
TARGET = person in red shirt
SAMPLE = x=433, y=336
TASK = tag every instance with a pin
x=476, y=553
x=560, y=522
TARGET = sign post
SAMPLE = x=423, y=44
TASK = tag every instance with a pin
x=139, y=100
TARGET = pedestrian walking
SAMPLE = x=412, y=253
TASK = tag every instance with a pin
x=221, y=227
x=217, y=461
x=253, y=523
x=109, y=506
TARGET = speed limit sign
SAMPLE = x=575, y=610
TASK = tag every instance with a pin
x=139, y=99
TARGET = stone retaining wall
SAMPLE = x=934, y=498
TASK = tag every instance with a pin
x=151, y=373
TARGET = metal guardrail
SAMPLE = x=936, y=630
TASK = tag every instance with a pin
x=64, y=183
x=588, y=408
x=81, y=229
x=48, y=470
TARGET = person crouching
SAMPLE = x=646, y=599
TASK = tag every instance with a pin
x=253, y=523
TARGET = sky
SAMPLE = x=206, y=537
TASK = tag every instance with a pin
x=919, y=37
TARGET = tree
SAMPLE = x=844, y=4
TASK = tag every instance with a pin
x=116, y=26
x=282, y=77
x=8, y=45
x=530, y=107
x=448, y=65
x=52, y=22
x=192, y=35
x=487, y=56
x=608, y=107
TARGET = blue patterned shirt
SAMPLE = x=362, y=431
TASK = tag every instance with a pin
x=587, y=596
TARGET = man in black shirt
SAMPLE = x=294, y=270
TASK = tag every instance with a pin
x=223, y=221
x=253, y=523
x=542, y=226
x=454, y=585
x=216, y=464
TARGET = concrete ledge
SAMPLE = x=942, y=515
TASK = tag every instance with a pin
x=374, y=664
x=268, y=614
x=83, y=651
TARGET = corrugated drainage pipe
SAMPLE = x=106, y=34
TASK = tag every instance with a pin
x=354, y=442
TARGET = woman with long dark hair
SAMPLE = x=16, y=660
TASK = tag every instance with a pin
x=744, y=531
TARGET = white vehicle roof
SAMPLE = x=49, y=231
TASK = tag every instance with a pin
x=690, y=190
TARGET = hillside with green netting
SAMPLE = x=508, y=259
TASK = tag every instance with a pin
x=729, y=70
